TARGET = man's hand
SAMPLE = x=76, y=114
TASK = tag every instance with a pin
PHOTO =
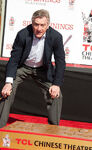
x=54, y=91
x=6, y=91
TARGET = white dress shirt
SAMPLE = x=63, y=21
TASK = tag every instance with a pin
x=35, y=58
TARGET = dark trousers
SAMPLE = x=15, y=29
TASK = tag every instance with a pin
x=39, y=76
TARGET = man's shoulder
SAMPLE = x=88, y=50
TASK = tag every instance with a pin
x=25, y=31
x=54, y=32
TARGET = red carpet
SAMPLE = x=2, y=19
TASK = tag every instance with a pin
x=35, y=119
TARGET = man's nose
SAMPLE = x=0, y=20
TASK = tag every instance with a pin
x=39, y=27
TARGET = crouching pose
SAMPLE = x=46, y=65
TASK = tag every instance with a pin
x=31, y=58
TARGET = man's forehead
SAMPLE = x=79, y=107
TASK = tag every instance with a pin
x=42, y=19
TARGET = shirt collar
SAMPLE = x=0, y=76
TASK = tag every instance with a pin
x=43, y=37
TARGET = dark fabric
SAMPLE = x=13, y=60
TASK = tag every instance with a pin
x=53, y=44
x=77, y=97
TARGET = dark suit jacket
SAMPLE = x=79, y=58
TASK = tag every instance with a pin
x=53, y=44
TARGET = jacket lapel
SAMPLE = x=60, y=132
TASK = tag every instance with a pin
x=47, y=47
x=28, y=44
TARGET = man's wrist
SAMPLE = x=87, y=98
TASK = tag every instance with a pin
x=8, y=83
x=9, y=80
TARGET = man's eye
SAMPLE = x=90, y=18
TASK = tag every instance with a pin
x=43, y=25
x=36, y=24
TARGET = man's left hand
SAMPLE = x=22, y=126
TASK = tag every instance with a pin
x=54, y=91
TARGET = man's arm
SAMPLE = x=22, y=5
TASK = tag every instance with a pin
x=12, y=65
x=59, y=56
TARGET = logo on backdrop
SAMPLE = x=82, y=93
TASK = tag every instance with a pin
x=41, y=2
x=71, y=3
x=67, y=49
x=11, y=23
x=61, y=26
x=67, y=52
x=87, y=36
x=6, y=141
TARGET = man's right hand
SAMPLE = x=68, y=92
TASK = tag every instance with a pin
x=7, y=89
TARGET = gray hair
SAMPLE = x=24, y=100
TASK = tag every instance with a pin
x=40, y=14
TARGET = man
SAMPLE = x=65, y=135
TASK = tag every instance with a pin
x=31, y=57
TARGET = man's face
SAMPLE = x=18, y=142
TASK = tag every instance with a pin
x=40, y=25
